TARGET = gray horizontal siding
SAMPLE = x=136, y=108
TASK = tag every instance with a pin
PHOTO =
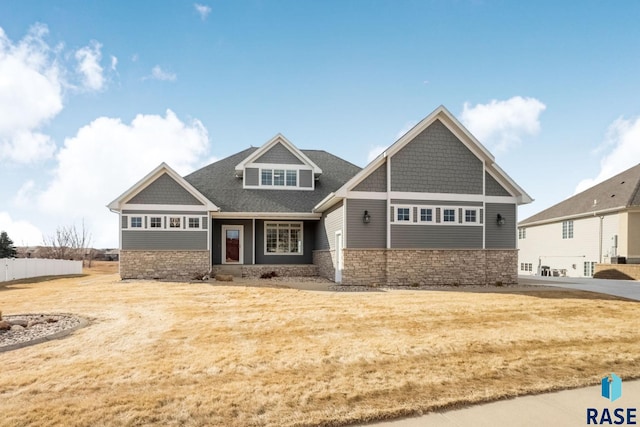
x=500, y=236
x=164, y=240
x=306, y=178
x=433, y=203
x=124, y=221
x=436, y=236
x=279, y=154
x=376, y=181
x=330, y=222
x=251, y=176
x=371, y=235
x=492, y=187
x=164, y=191
x=435, y=161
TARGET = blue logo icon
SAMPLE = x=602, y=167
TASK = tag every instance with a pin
x=611, y=387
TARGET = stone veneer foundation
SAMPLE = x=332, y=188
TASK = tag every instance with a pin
x=325, y=260
x=414, y=267
x=283, y=270
x=173, y=265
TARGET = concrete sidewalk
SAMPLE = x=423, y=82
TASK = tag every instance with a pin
x=563, y=408
x=621, y=288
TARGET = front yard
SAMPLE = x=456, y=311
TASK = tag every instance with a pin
x=200, y=354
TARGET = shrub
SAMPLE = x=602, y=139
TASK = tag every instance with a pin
x=268, y=275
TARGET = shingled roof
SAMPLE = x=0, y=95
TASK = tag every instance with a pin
x=219, y=184
x=621, y=191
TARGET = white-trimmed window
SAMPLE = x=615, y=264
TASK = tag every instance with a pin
x=567, y=229
x=283, y=238
x=427, y=214
x=292, y=178
x=266, y=177
x=166, y=222
x=403, y=214
x=155, y=222
x=449, y=215
x=278, y=177
x=175, y=222
x=136, y=222
x=471, y=216
x=589, y=268
x=522, y=233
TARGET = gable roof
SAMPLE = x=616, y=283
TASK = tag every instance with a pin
x=278, y=139
x=446, y=118
x=150, y=178
x=220, y=183
x=616, y=193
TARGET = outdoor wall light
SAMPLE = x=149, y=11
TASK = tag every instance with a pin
x=366, y=218
x=500, y=219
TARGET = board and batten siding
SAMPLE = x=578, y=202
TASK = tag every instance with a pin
x=436, y=161
x=164, y=240
x=500, y=236
x=279, y=154
x=366, y=236
x=376, y=181
x=411, y=236
x=330, y=222
x=164, y=191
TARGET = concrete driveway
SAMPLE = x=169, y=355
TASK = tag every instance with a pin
x=621, y=288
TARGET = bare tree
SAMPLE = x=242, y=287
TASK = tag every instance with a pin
x=68, y=242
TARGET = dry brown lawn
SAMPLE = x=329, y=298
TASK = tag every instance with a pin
x=160, y=353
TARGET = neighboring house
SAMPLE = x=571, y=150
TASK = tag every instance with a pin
x=434, y=208
x=600, y=225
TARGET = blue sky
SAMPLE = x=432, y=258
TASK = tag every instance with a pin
x=94, y=95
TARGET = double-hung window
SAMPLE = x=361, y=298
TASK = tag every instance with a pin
x=567, y=229
x=283, y=238
x=155, y=222
x=174, y=222
x=136, y=222
x=194, y=222
x=267, y=177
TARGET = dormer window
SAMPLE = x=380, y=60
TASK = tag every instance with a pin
x=278, y=177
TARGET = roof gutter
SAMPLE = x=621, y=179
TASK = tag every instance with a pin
x=574, y=216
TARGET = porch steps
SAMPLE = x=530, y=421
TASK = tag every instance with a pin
x=232, y=270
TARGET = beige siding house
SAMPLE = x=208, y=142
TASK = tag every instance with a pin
x=600, y=225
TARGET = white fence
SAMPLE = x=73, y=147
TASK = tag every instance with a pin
x=23, y=268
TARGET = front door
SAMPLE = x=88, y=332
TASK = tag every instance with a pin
x=232, y=244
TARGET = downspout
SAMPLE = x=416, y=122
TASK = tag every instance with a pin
x=600, y=240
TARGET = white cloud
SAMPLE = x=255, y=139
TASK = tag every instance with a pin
x=158, y=73
x=89, y=67
x=375, y=152
x=23, y=233
x=623, y=142
x=114, y=63
x=108, y=156
x=503, y=123
x=202, y=10
x=31, y=86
